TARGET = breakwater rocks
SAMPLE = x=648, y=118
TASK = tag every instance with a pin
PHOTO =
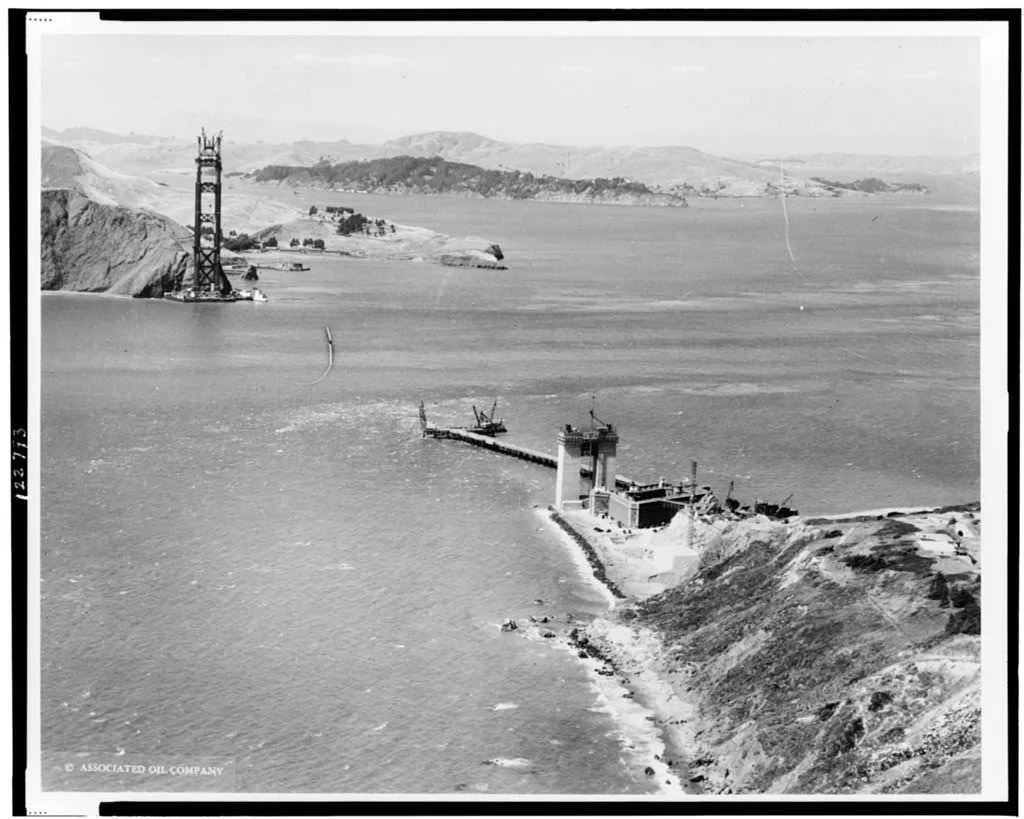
x=588, y=550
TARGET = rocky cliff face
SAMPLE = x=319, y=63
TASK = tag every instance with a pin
x=97, y=248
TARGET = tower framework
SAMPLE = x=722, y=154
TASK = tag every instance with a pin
x=208, y=274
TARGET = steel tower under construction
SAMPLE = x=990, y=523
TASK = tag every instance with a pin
x=208, y=274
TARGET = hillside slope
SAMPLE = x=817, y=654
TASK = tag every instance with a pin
x=69, y=168
x=64, y=167
x=147, y=155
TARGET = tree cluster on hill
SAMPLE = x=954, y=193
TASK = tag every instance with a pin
x=437, y=175
x=243, y=241
x=238, y=242
x=352, y=223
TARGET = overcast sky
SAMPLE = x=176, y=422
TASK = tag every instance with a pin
x=753, y=95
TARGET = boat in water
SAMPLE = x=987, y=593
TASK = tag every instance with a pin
x=250, y=295
x=288, y=267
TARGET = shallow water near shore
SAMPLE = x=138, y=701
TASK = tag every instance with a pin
x=237, y=564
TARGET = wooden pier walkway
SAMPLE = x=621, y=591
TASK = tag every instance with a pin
x=504, y=448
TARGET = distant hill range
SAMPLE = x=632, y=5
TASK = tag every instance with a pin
x=69, y=168
x=872, y=185
x=677, y=170
x=674, y=169
x=438, y=176
x=940, y=165
x=79, y=134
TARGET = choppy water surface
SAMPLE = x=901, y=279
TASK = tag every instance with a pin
x=239, y=565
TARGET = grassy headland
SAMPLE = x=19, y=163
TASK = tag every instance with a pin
x=819, y=656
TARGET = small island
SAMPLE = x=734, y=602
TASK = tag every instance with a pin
x=871, y=185
x=342, y=230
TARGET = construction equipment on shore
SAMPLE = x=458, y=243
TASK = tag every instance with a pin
x=595, y=422
x=485, y=423
x=730, y=502
x=779, y=511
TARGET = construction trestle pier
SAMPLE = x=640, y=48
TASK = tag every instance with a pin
x=504, y=448
x=591, y=453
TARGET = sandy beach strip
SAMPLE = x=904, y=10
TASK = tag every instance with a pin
x=627, y=668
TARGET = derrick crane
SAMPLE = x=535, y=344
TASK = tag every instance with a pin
x=485, y=423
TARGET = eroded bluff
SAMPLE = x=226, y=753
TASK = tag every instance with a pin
x=98, y=248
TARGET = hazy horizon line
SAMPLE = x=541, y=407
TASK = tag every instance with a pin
x=762, y=155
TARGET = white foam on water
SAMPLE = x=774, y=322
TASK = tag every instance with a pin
x=509, y=762
x=349, y=415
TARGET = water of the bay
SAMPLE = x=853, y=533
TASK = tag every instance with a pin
x=237, y=564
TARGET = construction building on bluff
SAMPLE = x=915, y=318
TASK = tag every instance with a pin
x=586, y=477
x=633, y=505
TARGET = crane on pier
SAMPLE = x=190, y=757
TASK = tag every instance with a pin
x=485, y=423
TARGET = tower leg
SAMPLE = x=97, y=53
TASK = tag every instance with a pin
x=606, y=466
x=567, y=480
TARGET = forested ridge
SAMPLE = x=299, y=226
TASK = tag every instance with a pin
x=437, y=175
